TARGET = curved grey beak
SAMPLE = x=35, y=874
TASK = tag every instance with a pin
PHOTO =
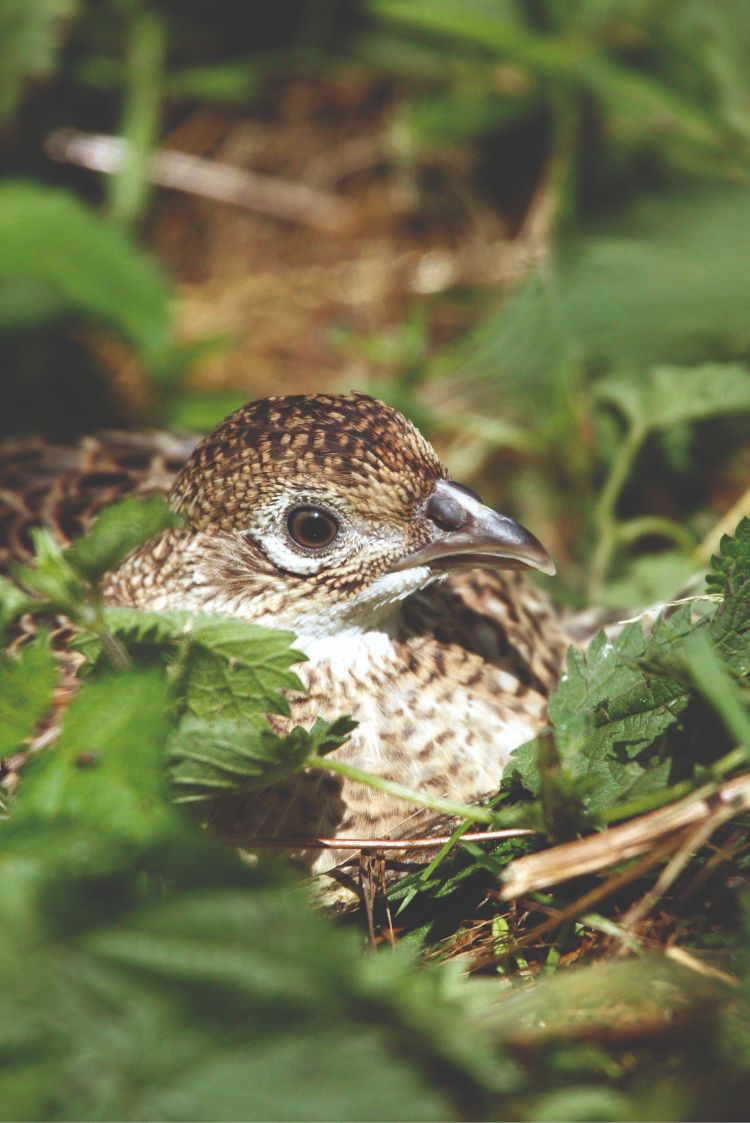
x=467, y=534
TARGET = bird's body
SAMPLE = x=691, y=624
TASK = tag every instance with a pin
x=332, y=517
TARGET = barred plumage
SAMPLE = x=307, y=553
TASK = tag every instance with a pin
x=332, y=516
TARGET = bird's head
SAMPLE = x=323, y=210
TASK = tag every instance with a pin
x=318, y=513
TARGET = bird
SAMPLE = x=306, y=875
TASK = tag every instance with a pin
x=331, y=516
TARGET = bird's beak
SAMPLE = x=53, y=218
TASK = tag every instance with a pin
x=467, y=534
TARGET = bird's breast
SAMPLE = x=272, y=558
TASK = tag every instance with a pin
x=436, y=719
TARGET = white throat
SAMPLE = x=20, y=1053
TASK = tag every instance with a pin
x=349, y=651
x=375, y=613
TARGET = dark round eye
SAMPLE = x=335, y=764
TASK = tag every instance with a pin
x=312, y=528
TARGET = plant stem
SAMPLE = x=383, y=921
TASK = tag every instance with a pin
x=605, y=520
x=633, y=529
x=400, y=791
x=144, y=70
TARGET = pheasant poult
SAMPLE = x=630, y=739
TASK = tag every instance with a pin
x=333, y=517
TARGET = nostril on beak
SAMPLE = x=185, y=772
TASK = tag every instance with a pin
x=446, y=512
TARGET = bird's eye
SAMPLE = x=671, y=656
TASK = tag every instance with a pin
x=312, y=528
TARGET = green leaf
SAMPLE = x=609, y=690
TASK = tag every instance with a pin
x=49, y=237
x=13, y=603
x=152, y=995
x=668, y=396
x=729, y=628
x=464, y=114
x=228, y=674
x=261, y=655
x=117, y=530
x=231, y=80
x=271, y=1081
x=225, y=754
x=238, y=755
x=233, y=669
x=608, y=711
x=26, y=685
x=714, y=680
x=620, y=298
x=733, y=560
x=218, y=1004
x=140, y=628
x=106, y=773
x=50, y=577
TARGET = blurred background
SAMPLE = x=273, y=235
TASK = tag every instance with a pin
x=526, y=223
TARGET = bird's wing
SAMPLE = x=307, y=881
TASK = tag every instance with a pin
x=502, y=617
x=43, y=484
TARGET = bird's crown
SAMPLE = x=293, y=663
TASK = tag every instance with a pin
x=353, y=444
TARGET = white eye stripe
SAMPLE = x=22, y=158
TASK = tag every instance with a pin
x=291, y=559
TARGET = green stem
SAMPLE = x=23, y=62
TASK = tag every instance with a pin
x=633, y=529
x=400, y=791
x=605, y=520
x=144, y=73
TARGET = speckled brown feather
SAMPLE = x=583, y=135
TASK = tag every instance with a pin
x=443, y=687
x=355, y=440
x=63, y=488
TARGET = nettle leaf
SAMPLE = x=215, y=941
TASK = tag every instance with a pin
x=733, y=559
x=225, y=667
x=26, y=685
x=117, y=530
x=233, y=669
x=236, y=1002
x=107, y=770
x=608, y=711
x=729, y=628
x=135, y=628
x=231, y=754
x=237, y=755
x=189, y=986
x=670, y=395
x=228, y=675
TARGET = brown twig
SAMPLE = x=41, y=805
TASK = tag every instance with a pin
x=278, y=198
x=693, y=842
x=628, y=840
x=581, y=905
x=731, y=849
x=433, y=842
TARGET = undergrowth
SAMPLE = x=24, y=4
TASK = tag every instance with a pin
x=147, y=972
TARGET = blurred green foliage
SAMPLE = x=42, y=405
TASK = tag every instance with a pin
x=621, y=84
